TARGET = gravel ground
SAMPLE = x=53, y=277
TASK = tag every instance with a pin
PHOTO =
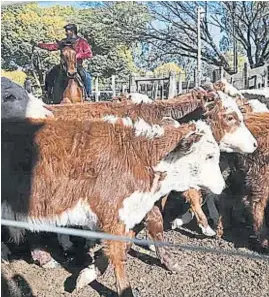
x=203, y=274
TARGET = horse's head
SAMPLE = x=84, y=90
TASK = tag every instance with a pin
x=68, y=58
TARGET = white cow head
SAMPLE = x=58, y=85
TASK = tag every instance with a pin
x=27, y=106
x=226, y=121
x=194, y=163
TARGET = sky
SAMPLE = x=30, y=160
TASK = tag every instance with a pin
x=215, y=31
x=76, y=4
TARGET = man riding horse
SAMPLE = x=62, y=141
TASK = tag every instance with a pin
x=83, y=51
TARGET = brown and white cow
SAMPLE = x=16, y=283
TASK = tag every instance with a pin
x=229, y=130
x=69, y=172
x=253, y=170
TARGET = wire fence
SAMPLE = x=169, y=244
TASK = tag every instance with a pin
x=144, y=242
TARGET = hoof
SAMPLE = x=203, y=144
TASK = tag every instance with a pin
x=152, y=248
x=65, y=242
x=44, y=259
x=51, y=264
x=176, y=223
x=5, y=252
x=173, y=267
x=86, y=276
x=185, y=219
x=208, y=231
x=265, y=243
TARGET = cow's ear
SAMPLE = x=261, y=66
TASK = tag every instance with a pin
x=186, y=144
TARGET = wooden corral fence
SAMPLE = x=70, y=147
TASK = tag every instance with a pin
x=255, y=78
x=164, y=87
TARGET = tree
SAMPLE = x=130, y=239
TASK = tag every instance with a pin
x=166, y=69
x=175, y=32
x=22, y=24
x=248, y=23
x=114, y=31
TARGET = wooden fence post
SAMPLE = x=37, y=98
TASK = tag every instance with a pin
x=245, y=76
x=221, y=72
x=179, y=83
x=162, y=87
x=132, y=86
x=96, y=89
x=267, y=82
x=155, y=90
x=113, y=85
x=172, y=85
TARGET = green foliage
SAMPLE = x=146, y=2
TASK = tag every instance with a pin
x=166, y=69
x=241, y=60
x=23, y=23
x=113, y=30
x=18, y=76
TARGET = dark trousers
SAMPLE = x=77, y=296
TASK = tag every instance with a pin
x=86, y=78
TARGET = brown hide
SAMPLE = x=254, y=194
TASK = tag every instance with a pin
x=151, y=113
x=50, y=165
x=255, y=170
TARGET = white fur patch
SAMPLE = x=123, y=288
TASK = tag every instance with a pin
x=139, y=98
x=197, y=169
x=230, y=104
x=136, y=206
x=80, y=215
x=258, y=106
x=240, y=141
x=229, y=89
x=183, y=220
x=141, y=127
x=33, y=108
x=36, y=108
x=110, y=119
x=144, y=129
x=259, y=92
x=193, y=170
x=115, y=119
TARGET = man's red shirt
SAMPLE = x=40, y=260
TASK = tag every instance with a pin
x=82, y=48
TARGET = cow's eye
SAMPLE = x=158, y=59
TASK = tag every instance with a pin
x=209, y=157
x=230, y=118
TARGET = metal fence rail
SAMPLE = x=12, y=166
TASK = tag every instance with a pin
x=105, y=236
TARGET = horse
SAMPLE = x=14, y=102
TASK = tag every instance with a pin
x=68, y=86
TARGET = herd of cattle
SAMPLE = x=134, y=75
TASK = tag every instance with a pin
x=111, y=165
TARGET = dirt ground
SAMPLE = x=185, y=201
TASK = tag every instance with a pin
x=202, y=274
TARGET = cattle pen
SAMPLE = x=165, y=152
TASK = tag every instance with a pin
x=206, y=266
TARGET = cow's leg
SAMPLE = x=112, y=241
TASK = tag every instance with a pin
x=213, y=212
x=5, y=252
x=224, y=220
x=195, y=199
x=154, y=223
x=116, y=252
x=64, y=241
x=258, y=205
x=183, y=220
x=39, y=252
